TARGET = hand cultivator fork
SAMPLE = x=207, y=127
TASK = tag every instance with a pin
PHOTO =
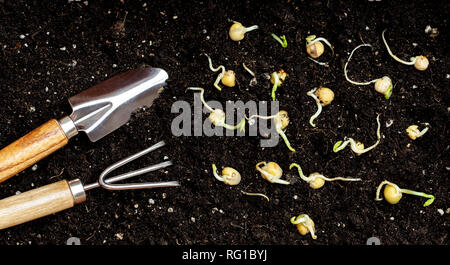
x=65, y=194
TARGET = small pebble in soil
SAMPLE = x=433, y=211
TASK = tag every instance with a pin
x=136, y=206
x=35, y=167
x=63, y=48
x=31, y=109
x=440, y=211
x=447, y=211
x=447, y=76
x=295, y=197
x=170, y=210
x=389, y=123
x=22, y=36
x=433, y=32
x=151, y=201
x=164, y=195
x=392, y=218
x=119, y=236
x=193, y=219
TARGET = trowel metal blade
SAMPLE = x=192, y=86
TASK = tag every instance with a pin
x=105, y=107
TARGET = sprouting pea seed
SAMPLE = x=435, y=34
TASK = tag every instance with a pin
x=325, y=95
x=316, y=183
x=421, y=63
x=229, y=78
x=391, y=194
x=384, y=85
x=231, y=176
x=315, y=50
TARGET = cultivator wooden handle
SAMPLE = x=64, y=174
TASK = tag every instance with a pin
x=64, y=194
x=31, y=148
x=40, y=202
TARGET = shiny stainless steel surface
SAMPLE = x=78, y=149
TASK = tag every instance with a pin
x=105, y=107
x=107, y=183
x=78, y=193
x=69, y=128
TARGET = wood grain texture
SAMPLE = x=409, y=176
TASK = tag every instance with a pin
x=31, y=148
x=35, y=203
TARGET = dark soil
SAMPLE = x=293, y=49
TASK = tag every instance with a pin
x=36, y=80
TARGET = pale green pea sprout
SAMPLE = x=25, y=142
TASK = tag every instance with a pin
x=221, y=74
x=317, y=180
x=217, y=116
x=256, y=194
x=315, y=48
x=282, y=40
x=414, y=132
x=230, y=176
x=277, y=78
x=271, y=172
x=354, y=145
x=311, y=39
x=278, y=126
x=393, y=193
x=306, y=222
x=319, y=106
x=248, y=70
x=419, y=62
x=382, y=85
x=253, y=81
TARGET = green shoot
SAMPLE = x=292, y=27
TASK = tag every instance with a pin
x=382, y=85
x=393, y=193
x=221, y=74
x=230, y=176
x=281, y=120
x=282, y=40
x=256, y=194
x=420, y=62
x=271, y=172
x=317, y=180
x=356, y=147
x=217, y=116
x=319, y=106
x=304, y=225
x=277, y=78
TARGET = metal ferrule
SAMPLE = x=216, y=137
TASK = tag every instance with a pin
x=77, y=189
x=68, y=127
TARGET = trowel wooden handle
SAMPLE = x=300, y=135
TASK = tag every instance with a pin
x=31, y=148
x=40, y=202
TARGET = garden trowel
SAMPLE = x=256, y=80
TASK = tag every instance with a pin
x=97, y=111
